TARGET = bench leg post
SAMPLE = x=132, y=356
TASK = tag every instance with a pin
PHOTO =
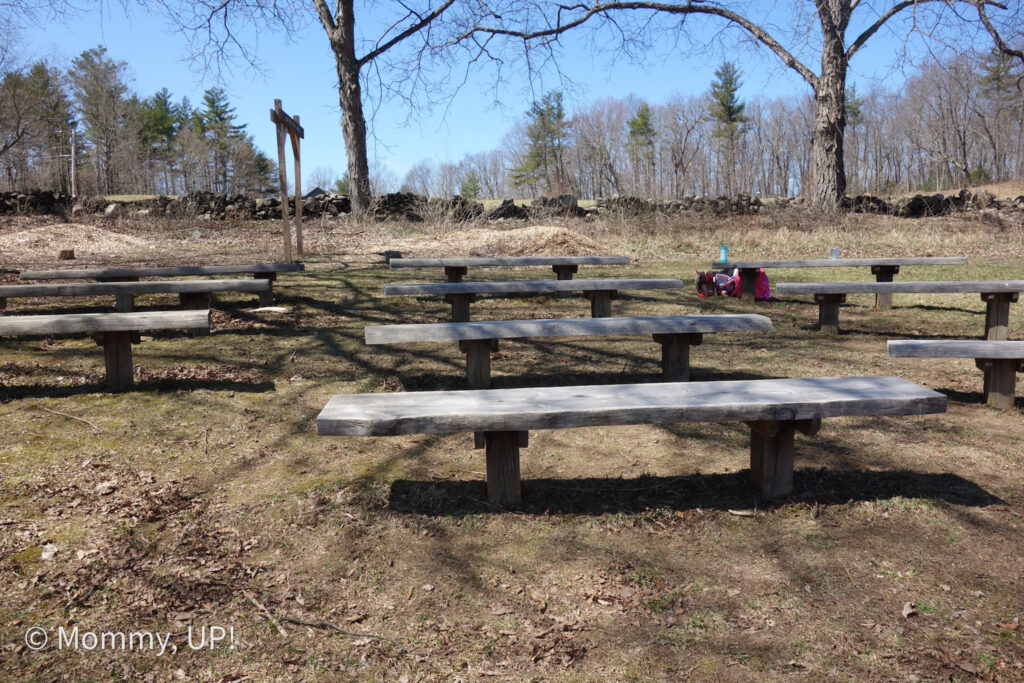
x=1000, y=381
x=675, y=355
x=601, y=303
x=828, y=311
x=460, y=306
x=3, y=303
x=267, y=297
x=504, y=488
x=748, y=278
x=124, y=303
x=997, y=314
x=455, y=273
x=565, y=272
x=478, y=361
x=883, y=302
x=117, y=356
x=771, y=457
x=196, y=301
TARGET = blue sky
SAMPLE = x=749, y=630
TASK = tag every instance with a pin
x=301, y=73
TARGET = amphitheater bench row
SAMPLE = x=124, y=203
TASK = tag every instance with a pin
x=676, y=334
x=600, y=292
x=455, y=268
x=773, y=409
x=115, y=332
x=998, y=295
x=882, y=268
x=999, y=360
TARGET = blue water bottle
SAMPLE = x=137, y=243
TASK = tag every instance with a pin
x=723, y=253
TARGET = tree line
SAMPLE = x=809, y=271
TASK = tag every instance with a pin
x=87, y=119
x=955, y=123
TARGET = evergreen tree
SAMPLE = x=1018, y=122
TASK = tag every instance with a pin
x=547, y=134
x=99, y=86
x=470, y=187
x=726, y=111
x=341, y=186
x=641, y=148
x=218, y=125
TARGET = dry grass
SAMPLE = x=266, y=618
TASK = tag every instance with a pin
x=207, y=485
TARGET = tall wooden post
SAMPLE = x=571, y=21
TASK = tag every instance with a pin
x=287, y=125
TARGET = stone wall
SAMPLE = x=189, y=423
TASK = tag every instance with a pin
x=212, y=206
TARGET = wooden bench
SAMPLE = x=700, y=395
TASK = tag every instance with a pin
x=773, y=408
x=998, y=295
x=461, y=294
x=676, y=334
x=456, y=267
x=261, y=271
x=194, y=294
x=115, y=332
x=999, y=360
x=882, y=268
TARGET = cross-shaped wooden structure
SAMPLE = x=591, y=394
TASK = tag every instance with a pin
x=289, y=125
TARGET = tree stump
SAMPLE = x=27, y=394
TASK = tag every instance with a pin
x=66, y=255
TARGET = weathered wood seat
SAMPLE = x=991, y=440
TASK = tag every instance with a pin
x=456, y=267
x=676, y=334
x=882, y=268
x=261, y=271
x=193, y=294
x=115, y=332
x=773, y=408
x=999, y=360
x=600, y=292
x=998, y=295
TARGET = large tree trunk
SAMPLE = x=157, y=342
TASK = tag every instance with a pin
x=353, y=124
x=828, y=172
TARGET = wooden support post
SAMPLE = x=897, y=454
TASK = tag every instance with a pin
x=771, y=457
x=883, y=302
x=565, y=272
x=455, y=273
x=298, y=188
x=478, y=361
x=601, y=302
x=504, y=487
x=266, y=298
x=997, y=314
x=460, y=306
x=3, y=303
x=748, y=280
x=282, y=177
x=1000, y=386
x=828, y=311
x=196, y=301
x=675, y=355
x=117, y=356
x=124, y=302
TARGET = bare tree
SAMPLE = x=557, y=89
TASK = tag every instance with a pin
x=837, y=37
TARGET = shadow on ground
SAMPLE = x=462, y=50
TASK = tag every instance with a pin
x=708, y=491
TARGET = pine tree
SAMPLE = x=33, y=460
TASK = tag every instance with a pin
x=726, y=111
x=547, y=134
x=641, y=147
x=99, y=85
x=470, y=187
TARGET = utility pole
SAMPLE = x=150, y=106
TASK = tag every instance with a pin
x=74, y=188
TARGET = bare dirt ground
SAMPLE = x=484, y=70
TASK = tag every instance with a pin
x=204, y=499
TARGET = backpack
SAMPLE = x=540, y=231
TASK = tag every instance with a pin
x=724, y=284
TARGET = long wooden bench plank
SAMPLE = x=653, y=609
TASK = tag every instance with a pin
x=530, y=286
x=675, y=334
x=115, y=332
x=1000, y=361
x=456, y=267
x=847, y=262
x=147, y=287
x=565, y=327
x=159, y=271
x=600, y=292
x=773, y=409
x=921, y=287
x=997, y=294
x=956, y=348
x=76, y=323
x=884, y=269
